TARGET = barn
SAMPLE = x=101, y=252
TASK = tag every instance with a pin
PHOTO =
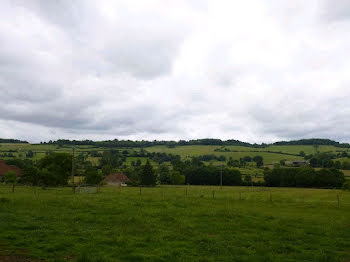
x=5, y=168
x=117, y=179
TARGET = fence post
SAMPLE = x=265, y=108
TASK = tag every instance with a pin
x=240, y=196
x=338, y=200
x=186, y=191
x=140, y=191
x=270, y=197
x=213, y=194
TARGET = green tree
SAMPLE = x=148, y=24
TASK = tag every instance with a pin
x=111, y=158
x=31, y=176
x=10, y=177
x=259, y=161
x=138, y=162
x=337, y=165
x=164, y=174
x=107, y=169
x=177, y=178
x=147, y=175
x=248, y=179
x=30, y=154
x=55, y=169
x=302, y=153
x=92, y=176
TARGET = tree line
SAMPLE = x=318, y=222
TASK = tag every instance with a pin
x=206, y=141
x=304, y=177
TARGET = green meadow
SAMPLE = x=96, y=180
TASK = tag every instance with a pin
x=175, y=224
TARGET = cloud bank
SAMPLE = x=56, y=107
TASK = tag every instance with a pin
x=255, y=70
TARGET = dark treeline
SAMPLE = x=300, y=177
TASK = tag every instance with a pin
x=144, y=143
x=207, y=141
x=312, y=141
x=196, y=173
x=4, y=140
x=304, y=177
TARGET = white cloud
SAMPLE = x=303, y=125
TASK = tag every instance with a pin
x=251, y=70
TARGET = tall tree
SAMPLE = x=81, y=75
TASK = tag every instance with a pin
x=147, y=176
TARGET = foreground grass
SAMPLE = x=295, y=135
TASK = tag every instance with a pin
x=165, y=224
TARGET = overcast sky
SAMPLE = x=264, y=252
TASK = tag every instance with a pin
x=253, y=70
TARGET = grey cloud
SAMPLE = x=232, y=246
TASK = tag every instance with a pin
x=142, y=44
x=173, y=70
x=335, y=10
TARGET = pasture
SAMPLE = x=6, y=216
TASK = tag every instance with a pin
x=187, y=223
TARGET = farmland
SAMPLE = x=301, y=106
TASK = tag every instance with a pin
x=173, y=223
x=184, y=223
x=271, y=154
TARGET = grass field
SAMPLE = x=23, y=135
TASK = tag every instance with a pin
x=163, y=224
x=275, y=154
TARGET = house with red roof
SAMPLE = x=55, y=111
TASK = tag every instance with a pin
x=117, y=179
x=5, y=168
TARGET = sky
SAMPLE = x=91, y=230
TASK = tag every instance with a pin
x=253, y=70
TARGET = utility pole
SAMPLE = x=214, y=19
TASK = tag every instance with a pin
x=73, y=169
x=221, y=177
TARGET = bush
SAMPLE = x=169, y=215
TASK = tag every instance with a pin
x=346, y=185
x=177, y=178
x=10, y=177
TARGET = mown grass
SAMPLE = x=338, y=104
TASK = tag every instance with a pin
x=165, y=224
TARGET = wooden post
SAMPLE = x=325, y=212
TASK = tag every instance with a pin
x=213, y=194
x=270, y=197
x=240, y=196
x=140, y=191
x=73, y=186
x=186, y=191
x=221, y=178
x=338, y=200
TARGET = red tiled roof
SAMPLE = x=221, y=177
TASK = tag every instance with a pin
x=4, y=168
x=117, y=178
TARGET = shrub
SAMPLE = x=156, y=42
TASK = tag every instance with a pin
x=346, y=185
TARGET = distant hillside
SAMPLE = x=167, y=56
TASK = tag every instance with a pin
x=313, y=141
x=207, y=141
x=3, y=140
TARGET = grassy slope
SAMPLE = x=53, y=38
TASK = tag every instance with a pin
x=298, y=225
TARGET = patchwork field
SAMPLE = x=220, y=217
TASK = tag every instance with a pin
x=271, y=154
x=175, y=224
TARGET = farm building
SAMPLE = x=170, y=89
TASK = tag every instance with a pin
x=117, y=179
x=297, y=163
x=4, y=168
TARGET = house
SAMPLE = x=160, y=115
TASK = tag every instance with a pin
x=117, y=179
x=5, y=168
x=297, y=163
